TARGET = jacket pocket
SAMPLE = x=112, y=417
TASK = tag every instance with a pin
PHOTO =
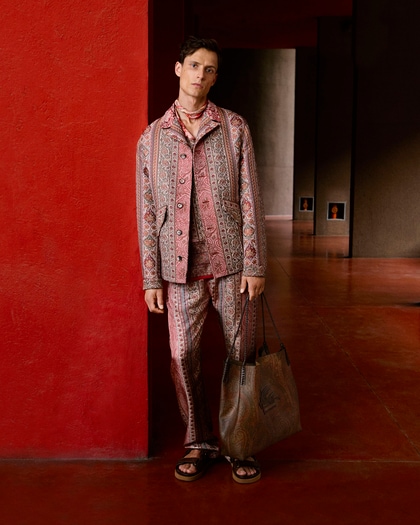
x=160, y=218
x=234, y=210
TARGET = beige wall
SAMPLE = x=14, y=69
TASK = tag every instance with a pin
x=260, y=85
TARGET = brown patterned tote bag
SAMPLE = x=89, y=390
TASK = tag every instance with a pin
x=259, y=403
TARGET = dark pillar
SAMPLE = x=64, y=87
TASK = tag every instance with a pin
x=334, y=127
x=386, y=165
x=167, y=27
x=304, y=139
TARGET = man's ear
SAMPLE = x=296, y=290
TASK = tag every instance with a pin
x=178, y=67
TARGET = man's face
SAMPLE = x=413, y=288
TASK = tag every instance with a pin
x=198, y=73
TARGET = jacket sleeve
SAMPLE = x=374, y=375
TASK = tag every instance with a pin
x=146, y=215
x=252, y=209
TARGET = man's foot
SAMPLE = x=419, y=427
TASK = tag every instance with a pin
x=247, y=471
x=193, y=465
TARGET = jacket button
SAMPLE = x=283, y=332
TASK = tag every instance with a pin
x=183, y=156
x=179, y=232
x=182, y=181
x=179, y=258
x=180, y=205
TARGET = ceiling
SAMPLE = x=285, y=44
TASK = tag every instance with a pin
x=262, y=23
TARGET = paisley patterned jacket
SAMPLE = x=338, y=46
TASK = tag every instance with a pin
x=230, y=204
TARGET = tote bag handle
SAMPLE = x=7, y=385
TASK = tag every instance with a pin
x=264, y=348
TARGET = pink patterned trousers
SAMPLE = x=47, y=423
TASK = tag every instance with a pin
x=187, y=310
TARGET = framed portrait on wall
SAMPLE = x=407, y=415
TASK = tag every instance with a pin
x=306, y=204
x=336, y=211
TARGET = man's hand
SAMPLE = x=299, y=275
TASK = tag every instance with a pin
x=254, y=285
x=154, y=300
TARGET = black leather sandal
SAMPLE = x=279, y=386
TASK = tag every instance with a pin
x=245, y=478
x=200, y=463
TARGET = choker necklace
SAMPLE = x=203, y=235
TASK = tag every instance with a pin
x=192, y=115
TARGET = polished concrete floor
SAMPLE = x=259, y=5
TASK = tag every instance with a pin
x=352, y=329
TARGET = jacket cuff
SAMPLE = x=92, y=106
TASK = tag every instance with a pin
x=149, y=284
x=254, y=271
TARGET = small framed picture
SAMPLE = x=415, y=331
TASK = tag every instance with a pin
x=336, y=211
x=306, y=204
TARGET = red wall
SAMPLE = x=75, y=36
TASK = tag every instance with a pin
x=73, y=102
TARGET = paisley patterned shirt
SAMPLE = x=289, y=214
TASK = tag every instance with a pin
x=215, y=176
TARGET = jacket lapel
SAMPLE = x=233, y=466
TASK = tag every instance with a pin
x=171, y=123
x=211, y=120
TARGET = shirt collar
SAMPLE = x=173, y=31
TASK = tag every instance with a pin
x=170, y=118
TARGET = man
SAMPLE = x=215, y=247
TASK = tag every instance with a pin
x=201, y=229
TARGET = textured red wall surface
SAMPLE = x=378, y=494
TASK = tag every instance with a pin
x=73, y=370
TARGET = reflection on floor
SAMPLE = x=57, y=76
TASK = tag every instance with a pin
x=352, y=329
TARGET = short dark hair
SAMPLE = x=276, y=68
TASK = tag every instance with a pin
x=193, y=44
